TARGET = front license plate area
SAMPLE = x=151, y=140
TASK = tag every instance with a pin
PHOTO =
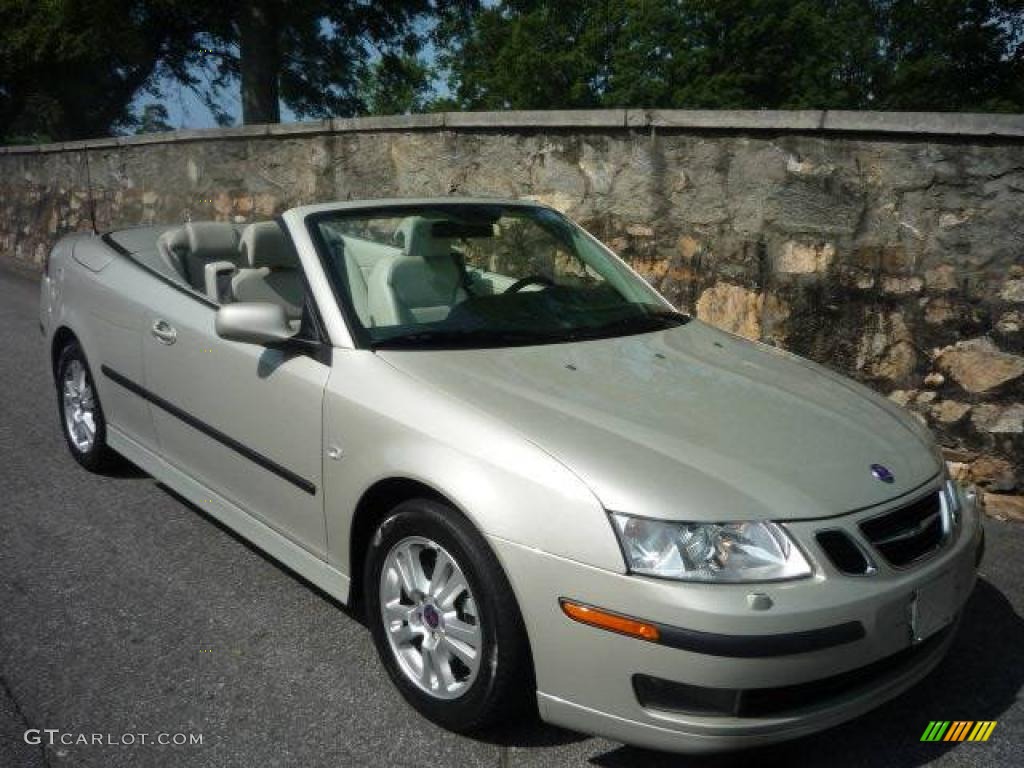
x=932, y=607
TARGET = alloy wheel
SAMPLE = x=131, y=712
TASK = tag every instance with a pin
x=79, y=402
x=430, y=617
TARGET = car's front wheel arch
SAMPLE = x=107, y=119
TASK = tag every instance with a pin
x=373, y=506
x=62, y=338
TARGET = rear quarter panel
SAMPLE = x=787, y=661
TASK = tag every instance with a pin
x=100, y=296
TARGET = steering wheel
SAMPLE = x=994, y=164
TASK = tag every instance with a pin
x=518, y=285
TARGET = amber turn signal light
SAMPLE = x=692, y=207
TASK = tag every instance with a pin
x=613, y=622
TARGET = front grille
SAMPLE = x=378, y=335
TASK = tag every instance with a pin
x=843, y=552
x=670, y=696
x=909, y=533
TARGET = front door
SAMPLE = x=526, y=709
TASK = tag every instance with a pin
x=243, y=419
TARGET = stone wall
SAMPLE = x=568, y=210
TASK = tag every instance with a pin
x=887, y=246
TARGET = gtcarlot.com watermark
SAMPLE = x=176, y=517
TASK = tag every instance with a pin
x=56, y=737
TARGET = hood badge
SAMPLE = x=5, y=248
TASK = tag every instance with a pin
x=880, y=472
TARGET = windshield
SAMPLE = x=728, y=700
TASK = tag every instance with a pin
x=480, y=275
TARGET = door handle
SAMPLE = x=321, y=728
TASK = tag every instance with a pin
x=164, y=332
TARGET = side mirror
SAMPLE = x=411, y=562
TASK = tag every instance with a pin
x=253, y=322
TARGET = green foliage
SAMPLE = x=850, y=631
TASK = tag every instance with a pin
x=396, y=85
x=785, y=54
x=74, y=68
x=953, y=55
x=71, y=68
x=321, y=53
x=153, y=119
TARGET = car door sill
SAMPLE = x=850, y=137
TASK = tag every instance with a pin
x=303, y=562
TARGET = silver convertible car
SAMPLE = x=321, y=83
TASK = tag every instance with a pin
x=542, y=485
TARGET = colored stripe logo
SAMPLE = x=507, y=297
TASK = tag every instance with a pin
x=958, y=730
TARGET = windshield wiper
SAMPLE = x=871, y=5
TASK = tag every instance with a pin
x=488, y=337
x=452, y=339
x=655, y=321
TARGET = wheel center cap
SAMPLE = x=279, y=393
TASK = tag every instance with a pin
x=431, y=617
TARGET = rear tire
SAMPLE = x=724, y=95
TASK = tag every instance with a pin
x=443, y=618
x=81, y=415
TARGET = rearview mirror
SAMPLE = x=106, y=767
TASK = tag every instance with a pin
x=253, y=322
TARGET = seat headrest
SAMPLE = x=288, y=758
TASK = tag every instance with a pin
x=418, y=239
x=210, y=240
x=264, y=244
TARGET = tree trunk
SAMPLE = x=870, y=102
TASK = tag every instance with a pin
x=259, y=63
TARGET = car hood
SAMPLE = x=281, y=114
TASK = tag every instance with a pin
x=692, y=423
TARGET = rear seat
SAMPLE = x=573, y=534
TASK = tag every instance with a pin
x=270, y=269
x=189, y=249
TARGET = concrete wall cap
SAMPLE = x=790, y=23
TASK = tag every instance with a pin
x=1009, y=126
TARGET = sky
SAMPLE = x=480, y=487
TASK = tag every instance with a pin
x=186, y=110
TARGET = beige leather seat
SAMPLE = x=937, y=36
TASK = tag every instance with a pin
x=357, y=278
x=186, y=250
x=271, y=270
x=360, y=257
x=420, y=286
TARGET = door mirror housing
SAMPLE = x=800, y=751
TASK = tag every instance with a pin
x=254, y=322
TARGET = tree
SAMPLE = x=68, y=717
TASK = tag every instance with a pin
x=317, y=55
x=154, y=119
x=71, y=68
x=849, y=54
x=396, y=85
x=259, y=61
x=526, y=55
x=953, y=55
x=778, y=54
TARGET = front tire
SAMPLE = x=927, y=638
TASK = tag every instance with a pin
x=81, y=416
x=443, y=618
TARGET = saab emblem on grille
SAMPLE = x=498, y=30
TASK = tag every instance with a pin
x=882, y=473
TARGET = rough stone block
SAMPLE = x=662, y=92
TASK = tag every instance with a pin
x=978, y=365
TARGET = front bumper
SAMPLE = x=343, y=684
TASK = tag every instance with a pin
x=587, y=677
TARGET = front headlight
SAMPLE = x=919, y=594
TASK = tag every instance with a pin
x=709, y=552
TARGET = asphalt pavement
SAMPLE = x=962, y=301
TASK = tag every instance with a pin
x=124, y=611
